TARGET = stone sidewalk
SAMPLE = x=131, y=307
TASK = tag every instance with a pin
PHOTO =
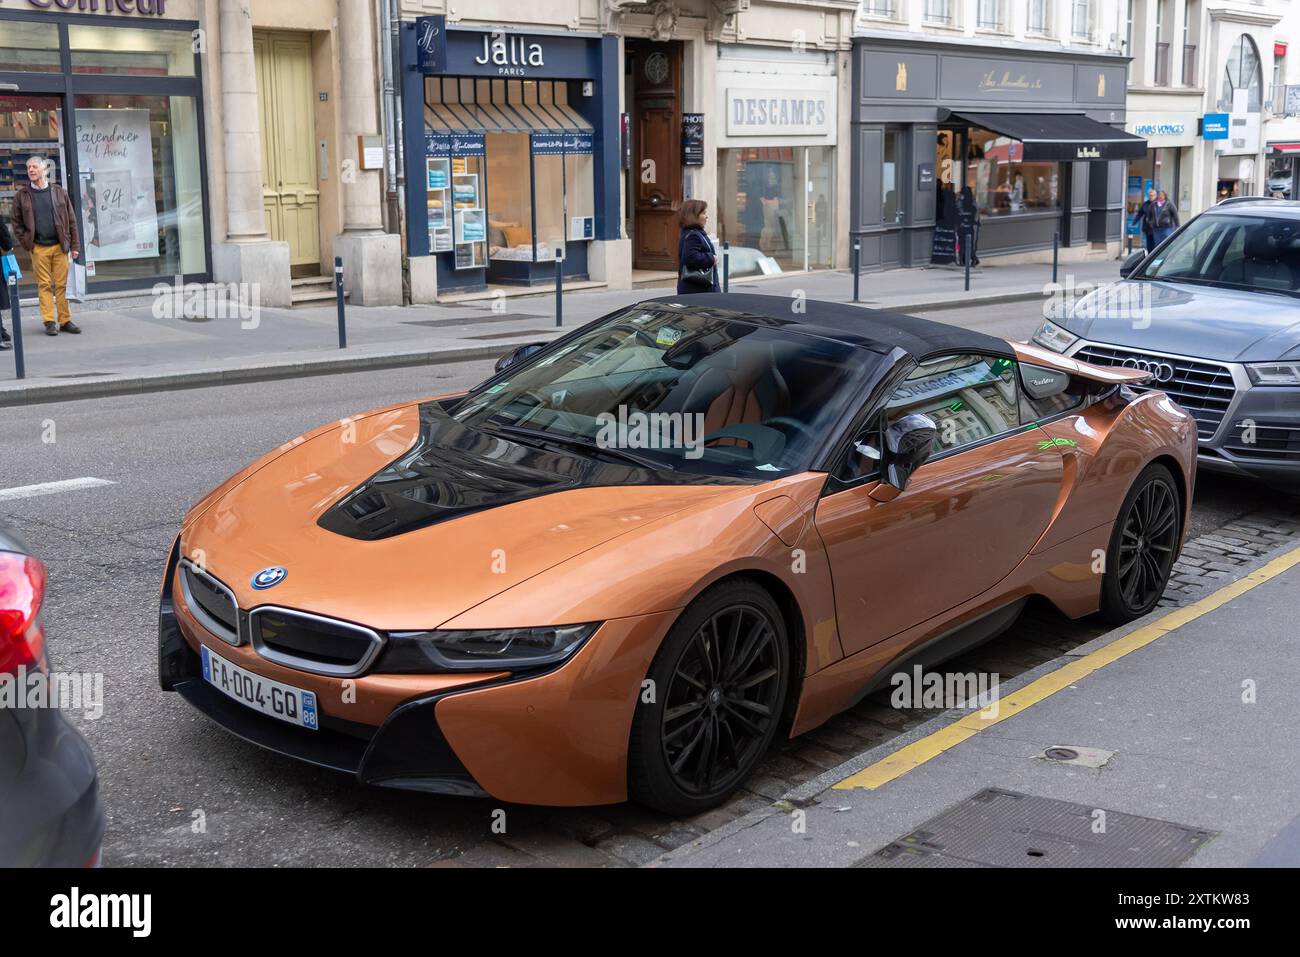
x=131, y=345
x=1181, y=723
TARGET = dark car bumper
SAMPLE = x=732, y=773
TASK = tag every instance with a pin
x=408, y=751
x=50, y=809
x=1260, y=438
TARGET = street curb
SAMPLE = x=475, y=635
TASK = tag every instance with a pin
x=99, y=388
x=205, y=378
x=808, y=792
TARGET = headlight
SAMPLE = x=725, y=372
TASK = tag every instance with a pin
x=1051, y=336
x=423, y=652
x=1274, y=373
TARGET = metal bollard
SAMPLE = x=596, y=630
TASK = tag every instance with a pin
x=338, y=295
x=559, y=288
x=857, y=254
x=16, y=313
x=1056, y=250
x=726, y=266
x=967, y=257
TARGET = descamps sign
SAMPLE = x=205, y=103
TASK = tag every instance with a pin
x=764, y=113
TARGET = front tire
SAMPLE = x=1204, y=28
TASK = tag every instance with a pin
x=719, y=683
x=1143, y=547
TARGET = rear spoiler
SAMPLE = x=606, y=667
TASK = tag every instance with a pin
x=1107, y=375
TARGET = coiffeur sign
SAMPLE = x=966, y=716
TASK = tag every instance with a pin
x=145, y=8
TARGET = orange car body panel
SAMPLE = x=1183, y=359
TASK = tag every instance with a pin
x=1029, y=512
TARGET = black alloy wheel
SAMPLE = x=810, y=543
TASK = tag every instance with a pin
x=720, y=682
x=1144, y=546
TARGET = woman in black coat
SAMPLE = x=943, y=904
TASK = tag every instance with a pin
x=695, y=253
x=6, y=247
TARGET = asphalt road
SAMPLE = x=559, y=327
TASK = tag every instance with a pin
x=179, y=790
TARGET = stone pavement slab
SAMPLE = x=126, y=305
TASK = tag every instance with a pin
x=1198, y=717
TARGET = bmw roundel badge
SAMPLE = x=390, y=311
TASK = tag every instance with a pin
x=268, y=578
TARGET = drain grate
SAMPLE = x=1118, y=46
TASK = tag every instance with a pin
x=509, y=335
x=999, y=828
x=471, y=320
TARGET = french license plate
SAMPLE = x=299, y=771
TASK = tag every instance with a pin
x=293, y=705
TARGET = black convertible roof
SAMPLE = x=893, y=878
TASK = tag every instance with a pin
x=876, y=328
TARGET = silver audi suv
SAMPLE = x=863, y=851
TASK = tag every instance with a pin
x=1213, y=313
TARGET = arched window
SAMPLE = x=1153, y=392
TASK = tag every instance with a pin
x=1242, y=72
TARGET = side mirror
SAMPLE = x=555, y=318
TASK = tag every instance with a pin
x=1130, y=265
x=520, y=353
x=908, y=443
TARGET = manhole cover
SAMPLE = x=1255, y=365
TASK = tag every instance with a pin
x=999, y=828
x=1061, y=754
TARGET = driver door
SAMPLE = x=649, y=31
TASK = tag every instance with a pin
x=967, y=517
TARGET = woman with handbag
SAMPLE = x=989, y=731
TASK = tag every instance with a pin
x=6, y=248
x=697, y=261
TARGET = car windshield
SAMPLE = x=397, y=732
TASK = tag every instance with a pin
x=699, y=390
x=1259, y=253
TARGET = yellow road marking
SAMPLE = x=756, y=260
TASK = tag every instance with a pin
x=932, y=745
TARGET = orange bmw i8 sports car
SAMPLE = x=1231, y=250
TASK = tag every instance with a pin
x=626, y=562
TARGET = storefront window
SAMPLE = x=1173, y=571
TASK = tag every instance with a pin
x=775, y=207
x=124, y=51
x=510, y=207
x=29, y=126
x=1002, y=183
x=889, y=179
x=140, y=184
x=29, y=47
x=548, y=190
x=539, y=169
x=1157, y=170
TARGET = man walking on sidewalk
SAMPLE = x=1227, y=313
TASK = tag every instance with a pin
x=46, y=226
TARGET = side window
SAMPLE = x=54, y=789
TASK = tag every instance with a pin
x=970, y=398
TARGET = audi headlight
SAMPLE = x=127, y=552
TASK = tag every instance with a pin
x=1051, y=336
x=510, y=649
x=1274, y=373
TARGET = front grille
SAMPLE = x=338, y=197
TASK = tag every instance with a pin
x=1264, y=440
x=311, y=643
x=1204, y=389
x=211, y=601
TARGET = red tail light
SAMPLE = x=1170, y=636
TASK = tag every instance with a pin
x=22, y=589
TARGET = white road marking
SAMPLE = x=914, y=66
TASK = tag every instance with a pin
x=51, y=488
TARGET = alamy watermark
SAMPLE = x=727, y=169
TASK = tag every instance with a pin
x=652, y=430
x=197, y=300
x=935, y=690
x=67, y=691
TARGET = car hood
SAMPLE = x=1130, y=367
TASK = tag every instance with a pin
x=1199, y=321
x=402, y=520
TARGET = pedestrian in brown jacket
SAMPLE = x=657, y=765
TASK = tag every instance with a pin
x=45, y=224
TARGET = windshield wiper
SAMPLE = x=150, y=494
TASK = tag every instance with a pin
x=577, y=442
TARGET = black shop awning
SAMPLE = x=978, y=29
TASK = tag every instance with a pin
x=1059, y=137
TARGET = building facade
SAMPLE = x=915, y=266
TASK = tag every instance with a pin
x=228, y=140
x=579, y=127
x=1282, y=129
x=1009, y=112
x=1207, y=90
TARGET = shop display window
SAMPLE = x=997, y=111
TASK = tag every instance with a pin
x=29, y=126
x=29, y=47
x=1002, y=183
x=124, y=51
x=141, y=191
x=469, y=218
x=538, y=171
x=510, y=205
x=776, y=207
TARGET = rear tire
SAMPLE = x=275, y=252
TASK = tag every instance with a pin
x=719, y=683
x=1143, y=547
